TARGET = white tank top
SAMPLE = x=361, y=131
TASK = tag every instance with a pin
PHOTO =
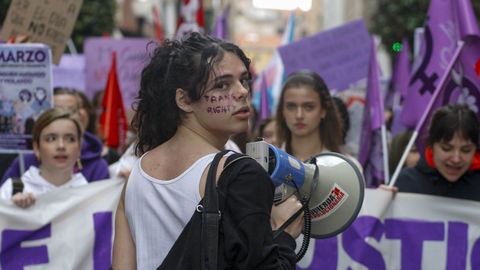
x=158, y=210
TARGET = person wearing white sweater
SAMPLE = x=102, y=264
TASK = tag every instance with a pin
x=56, y=139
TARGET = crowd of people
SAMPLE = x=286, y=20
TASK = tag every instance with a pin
x=179, y=129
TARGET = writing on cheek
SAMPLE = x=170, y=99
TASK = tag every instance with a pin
x=220, y=109
x=218, y=98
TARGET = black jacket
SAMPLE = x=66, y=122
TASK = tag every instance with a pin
x=426, y=180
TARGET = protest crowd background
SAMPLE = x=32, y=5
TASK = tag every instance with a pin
x=380, y=70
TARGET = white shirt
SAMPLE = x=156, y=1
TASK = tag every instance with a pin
x=34, y=183
x=128, y=159
x=158, y=210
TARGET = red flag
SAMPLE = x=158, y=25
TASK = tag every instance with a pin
x=477, y=67
x=113, y=122
x=191, y=18
x=157, y=24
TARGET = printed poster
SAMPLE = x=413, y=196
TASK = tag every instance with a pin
x=25, y=91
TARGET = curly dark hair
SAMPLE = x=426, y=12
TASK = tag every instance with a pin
x=330, y=127
x=185, y=64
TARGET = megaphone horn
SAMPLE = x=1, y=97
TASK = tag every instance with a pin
x=331, y=182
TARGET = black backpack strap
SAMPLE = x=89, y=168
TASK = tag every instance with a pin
x=17, y=185
x=211, y=217
x=211, y=214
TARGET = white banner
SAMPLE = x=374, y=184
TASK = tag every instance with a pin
x=74, y=228
x=64, y=229
x=411, y=232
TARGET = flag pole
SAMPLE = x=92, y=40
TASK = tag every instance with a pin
x=386, y=172
x=459, y=48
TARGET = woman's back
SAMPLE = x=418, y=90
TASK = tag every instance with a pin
x=152, y=203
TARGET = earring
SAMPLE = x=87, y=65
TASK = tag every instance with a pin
x=79, y=165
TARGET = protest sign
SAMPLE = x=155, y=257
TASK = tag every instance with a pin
x=65, y=229
x=414, y=232
x=339, y=55
x=70, y=72
x=48, y=22
x=131, y=57
x=25, y=91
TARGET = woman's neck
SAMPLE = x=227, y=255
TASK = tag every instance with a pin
x=306, y=146
x=56, y=177
x=192, y=135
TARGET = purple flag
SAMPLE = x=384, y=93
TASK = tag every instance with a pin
x=220, y=29
x=466, y=18
x=448, y=21
x=399, y=86
x=370, y=154
x=459, y=83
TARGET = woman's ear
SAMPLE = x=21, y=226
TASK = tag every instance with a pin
x=183, y=100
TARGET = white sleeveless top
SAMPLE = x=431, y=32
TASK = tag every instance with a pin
x=158, y=210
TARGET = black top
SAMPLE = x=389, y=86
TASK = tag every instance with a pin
x=247, y=200
x=245, y=197
x=426, y=180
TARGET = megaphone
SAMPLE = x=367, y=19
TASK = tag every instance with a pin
x=332, y=184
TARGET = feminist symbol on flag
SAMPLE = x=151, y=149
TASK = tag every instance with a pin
x=427, y=80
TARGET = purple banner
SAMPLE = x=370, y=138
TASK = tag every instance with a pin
x=339, y=55
x=131, y=57
x=405, y=231
x=360, y=241
x=70, y=72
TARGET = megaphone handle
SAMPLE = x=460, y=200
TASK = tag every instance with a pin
x=306, y=228
x=286, y=223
